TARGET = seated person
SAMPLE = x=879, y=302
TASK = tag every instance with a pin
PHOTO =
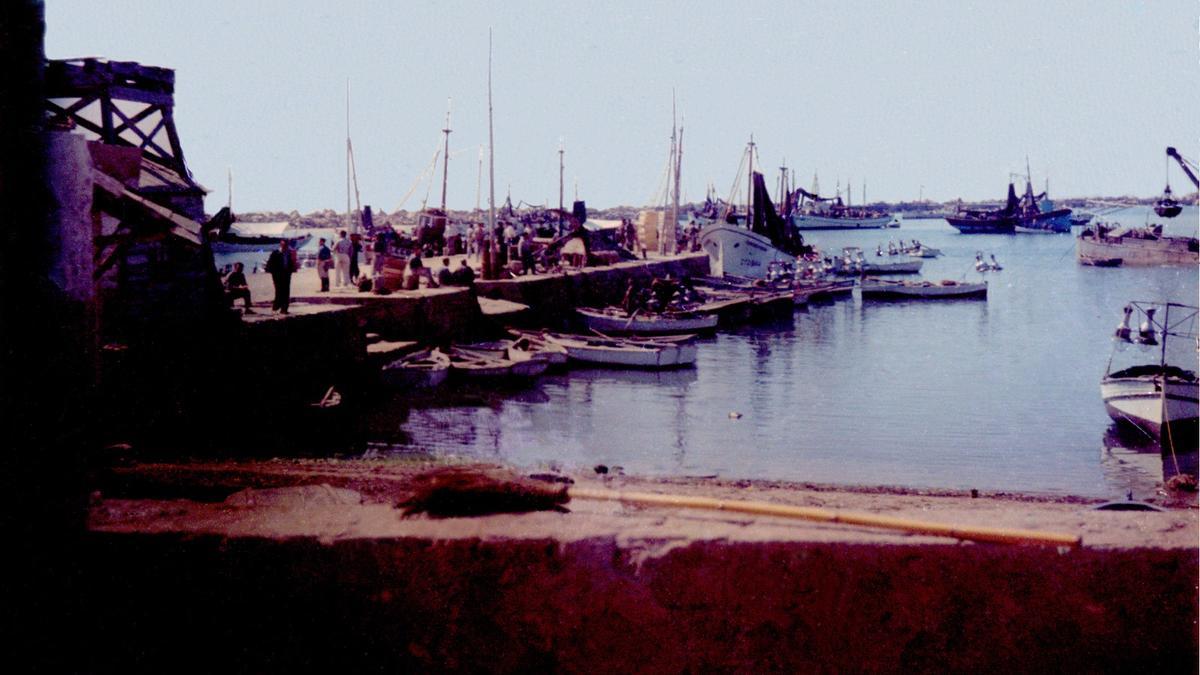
x=416, y=271
x=236, y=286
x=464, y=275
x=445, y=275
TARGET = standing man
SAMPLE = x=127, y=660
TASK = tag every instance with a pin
x=341, y=260
x=381, y=250
x=280, y=266
x=324, y=262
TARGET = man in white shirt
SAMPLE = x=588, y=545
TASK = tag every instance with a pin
x=341, y=259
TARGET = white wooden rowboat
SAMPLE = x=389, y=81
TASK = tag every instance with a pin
x=624, y=353
x=427, y=368
x=940, y=290
x=613, y=320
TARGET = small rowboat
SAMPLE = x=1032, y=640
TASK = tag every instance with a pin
x=427, y=368
x=1101, y=262
x=626, y=353
x=614, y=320
x=524, y=347
x=474, y=364
x=941, y=290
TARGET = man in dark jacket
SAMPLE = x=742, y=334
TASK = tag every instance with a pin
x=280, y=266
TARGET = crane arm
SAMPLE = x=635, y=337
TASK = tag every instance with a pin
x=1185, y=165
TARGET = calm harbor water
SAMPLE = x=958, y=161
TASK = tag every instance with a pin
x=999, y=395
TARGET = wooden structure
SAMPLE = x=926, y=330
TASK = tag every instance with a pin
x=127, y=104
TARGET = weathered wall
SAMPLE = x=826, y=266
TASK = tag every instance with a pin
x=399, y=605
x=553, y=298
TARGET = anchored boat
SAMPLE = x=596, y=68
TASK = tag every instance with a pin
x=946, y=289
x=1158, y=398
x=427, y=368
x=1135, y=246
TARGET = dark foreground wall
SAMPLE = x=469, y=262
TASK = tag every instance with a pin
x=167, y=603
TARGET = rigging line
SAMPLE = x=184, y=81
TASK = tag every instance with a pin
x=737, y=179
x=417, y=183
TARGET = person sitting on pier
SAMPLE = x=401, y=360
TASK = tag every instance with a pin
x=445, y=276
x=236, y=286
x=417, y=271
x=464, y=275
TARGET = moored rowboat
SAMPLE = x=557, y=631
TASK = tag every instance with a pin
x=614, y=320
x=427, y=368
x=945, y=289
x=626, y=353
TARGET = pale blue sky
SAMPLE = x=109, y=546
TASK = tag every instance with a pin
x=947, y=95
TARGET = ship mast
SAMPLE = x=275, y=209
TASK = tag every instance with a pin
x=446, y=155
x=750, y=184
x=677, y=146
x=491, y=233
x=561, y=150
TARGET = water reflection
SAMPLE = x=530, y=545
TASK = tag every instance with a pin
x=1136, y=467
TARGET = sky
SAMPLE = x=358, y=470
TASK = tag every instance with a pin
x=940, y=100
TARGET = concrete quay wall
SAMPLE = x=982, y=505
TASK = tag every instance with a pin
x=247, y=604
x=553, y=297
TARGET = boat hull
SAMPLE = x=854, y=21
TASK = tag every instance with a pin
x=1137, y=251
x=628, y=354
x=649, y=325
x=258, y=244
x=816, y=222
x=736, y=251
x=983, y=226
x=899, y=290
x=1140, y=402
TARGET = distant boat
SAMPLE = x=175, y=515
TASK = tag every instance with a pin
x=1135, y=246
x=1101, y=262
x=614, y=320
x=248, y=237
x=999, y=221
x=626, y=353
x=1157, y=398
x=427, y=368
x=887, y=289
x=815, y=212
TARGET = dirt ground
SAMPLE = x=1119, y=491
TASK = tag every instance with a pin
x=346, y=499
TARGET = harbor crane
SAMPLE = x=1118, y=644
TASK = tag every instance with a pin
x=1188, y=167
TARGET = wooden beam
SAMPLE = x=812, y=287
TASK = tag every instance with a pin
x=180, y=226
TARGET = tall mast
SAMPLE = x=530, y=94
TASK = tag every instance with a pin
x=349, y=217
x=446, y=155
x=750, y=184
x=479, y=180
x=849, y=191
x=561, y=150
x=491, y=155
x=675, y=199
x=229, y=203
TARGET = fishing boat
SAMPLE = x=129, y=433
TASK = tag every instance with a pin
x=745, y=245
x=603, y=351
x=814, y=212
x=815, y=290
x=1101, y=262
x=614, y=320
x=427, y=368
x=1135, y=246
x=249, y=237
x=946, y=289
x=922, y=251
x=1156, y=398
x=999, y=221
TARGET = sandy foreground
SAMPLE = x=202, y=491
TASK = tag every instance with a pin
x=336, y=500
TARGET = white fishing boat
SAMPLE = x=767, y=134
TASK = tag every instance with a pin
x=847, y=219
x=946, y=289
x=1157, y=398
x=427, y=368
x=626, y=353
x=746, y=244
x=614, y=320
x=923, y=251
